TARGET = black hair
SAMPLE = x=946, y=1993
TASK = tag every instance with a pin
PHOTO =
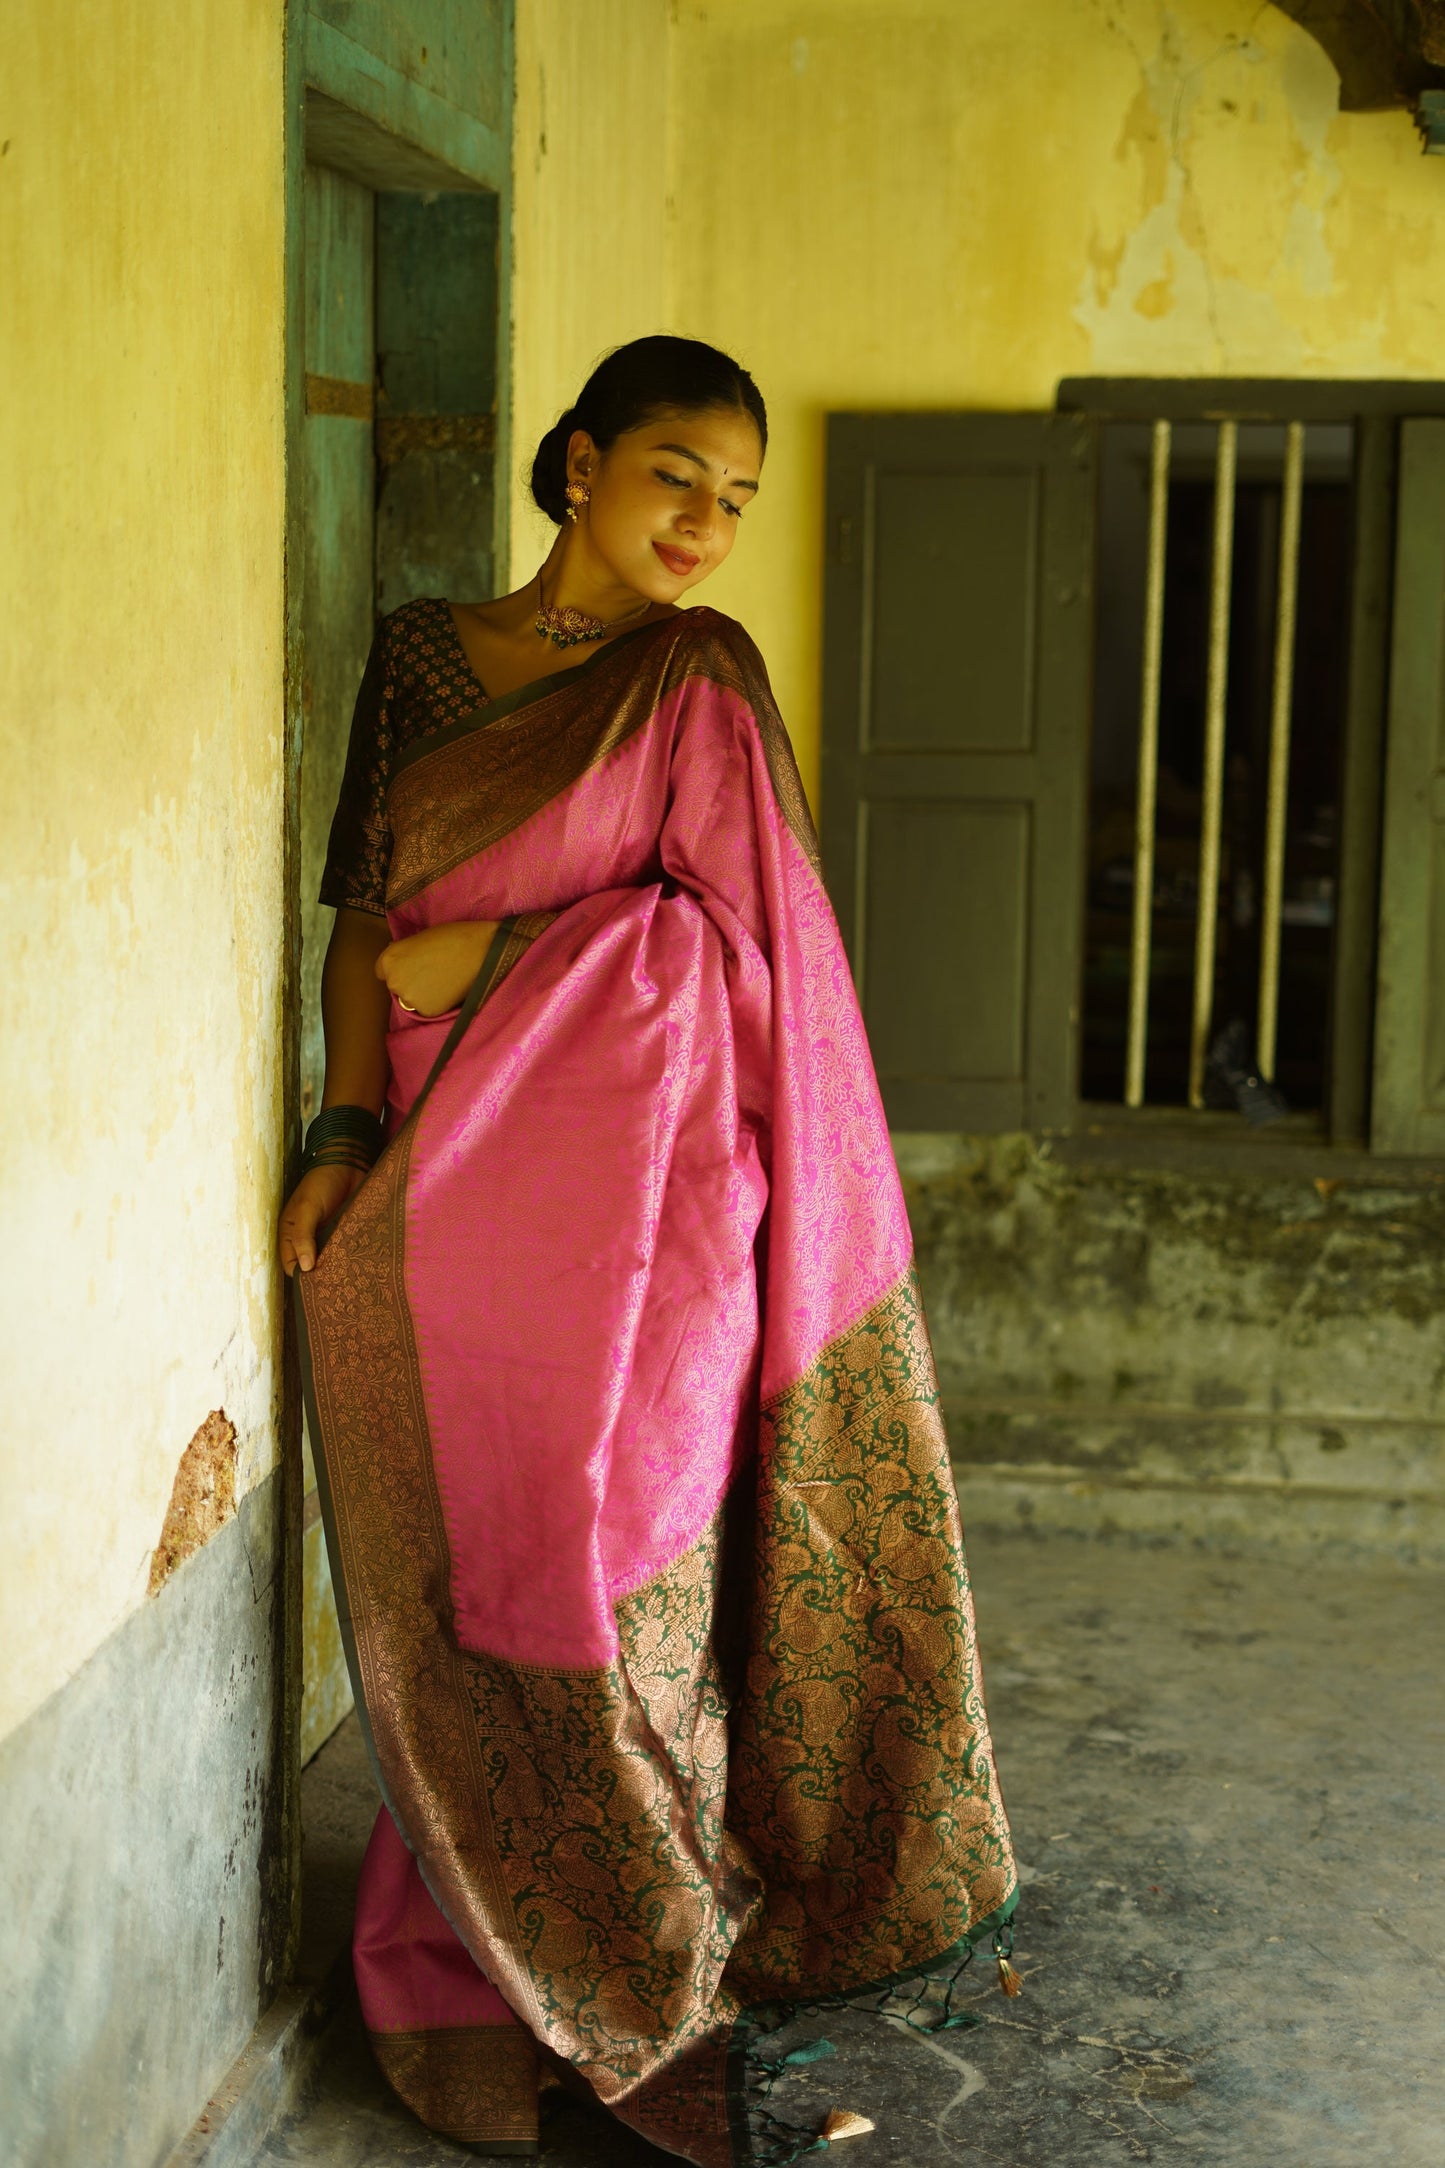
x=628, y=387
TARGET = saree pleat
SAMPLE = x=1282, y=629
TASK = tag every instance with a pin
x=646, y=1543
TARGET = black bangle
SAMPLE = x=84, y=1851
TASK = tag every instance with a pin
x=354, y=1132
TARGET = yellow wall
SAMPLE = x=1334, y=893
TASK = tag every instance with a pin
x=874, y=202
x=590, y=226
x=885, y=203
x=141, y=442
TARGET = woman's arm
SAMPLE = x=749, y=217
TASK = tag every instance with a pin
x=430, y=973
x=355, y=1010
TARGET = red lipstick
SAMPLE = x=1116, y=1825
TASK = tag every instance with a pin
x=679, y=562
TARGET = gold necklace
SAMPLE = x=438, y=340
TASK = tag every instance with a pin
x=569, y=627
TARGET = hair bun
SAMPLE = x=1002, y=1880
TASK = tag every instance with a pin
x=632, y=386
x=549, y=467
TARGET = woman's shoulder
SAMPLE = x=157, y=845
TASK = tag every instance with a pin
x=417, y=643
x=409, y=620
x=707, y=639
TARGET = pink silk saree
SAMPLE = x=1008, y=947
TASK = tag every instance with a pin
x=643, y=1529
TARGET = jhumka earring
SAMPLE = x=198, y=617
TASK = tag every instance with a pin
x=578, y=494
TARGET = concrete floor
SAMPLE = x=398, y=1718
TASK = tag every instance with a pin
x=1227, y=1785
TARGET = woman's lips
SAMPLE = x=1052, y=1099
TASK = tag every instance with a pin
x=679, y=561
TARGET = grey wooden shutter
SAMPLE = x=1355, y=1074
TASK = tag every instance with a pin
x=1409, y=1096
x=958, y=640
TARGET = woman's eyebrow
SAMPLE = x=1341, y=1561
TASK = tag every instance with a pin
x=733, y=481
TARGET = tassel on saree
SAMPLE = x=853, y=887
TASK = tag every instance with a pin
x=844, y=2123
x=1010, y=1982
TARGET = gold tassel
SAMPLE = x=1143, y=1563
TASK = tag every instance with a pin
x=1010, y=1981
x=845, y=2123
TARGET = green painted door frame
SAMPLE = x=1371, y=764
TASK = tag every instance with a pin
x=398, y=342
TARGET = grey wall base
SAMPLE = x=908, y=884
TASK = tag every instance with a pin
x=140, y=1928
x=1236, y=1346
x=270, y=2080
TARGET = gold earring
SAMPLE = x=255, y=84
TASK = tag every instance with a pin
x=578, y=494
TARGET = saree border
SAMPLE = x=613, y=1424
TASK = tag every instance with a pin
x=465, y=1774
x=505, y=704
x=474, y=2083
x=703, y=645
x=513, y=937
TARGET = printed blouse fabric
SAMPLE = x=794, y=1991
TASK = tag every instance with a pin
x=417, y=680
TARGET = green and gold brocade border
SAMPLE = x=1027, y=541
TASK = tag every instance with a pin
x=862, y=1774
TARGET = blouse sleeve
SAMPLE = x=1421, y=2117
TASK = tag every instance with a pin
x=358, y=855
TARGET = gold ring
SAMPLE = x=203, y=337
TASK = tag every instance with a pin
x=405, y=1005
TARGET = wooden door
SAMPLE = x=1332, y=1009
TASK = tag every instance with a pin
x=337, y=619
x=338, y=589
x=955, y=745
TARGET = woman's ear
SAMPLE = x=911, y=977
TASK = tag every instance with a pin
x=581, y=456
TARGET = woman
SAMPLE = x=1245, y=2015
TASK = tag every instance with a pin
x=642, y=1527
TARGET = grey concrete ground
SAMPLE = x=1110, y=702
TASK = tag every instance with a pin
x=1225, y=1778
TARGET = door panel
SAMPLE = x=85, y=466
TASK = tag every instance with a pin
x=955, y=740
x=1409, y=1096
x=947, y=551
x=934, y=871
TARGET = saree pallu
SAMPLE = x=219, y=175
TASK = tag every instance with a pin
x=643, y=1529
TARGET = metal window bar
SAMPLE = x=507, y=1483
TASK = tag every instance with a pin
x=1148, y=782
x=1226, y=459
x=1283, y=698
x=1216, y=700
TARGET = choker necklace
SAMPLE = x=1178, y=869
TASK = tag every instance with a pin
x=571, y=628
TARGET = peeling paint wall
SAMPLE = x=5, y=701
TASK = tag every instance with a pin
x=203, y=1497
x=889, y=204
x=141, y=440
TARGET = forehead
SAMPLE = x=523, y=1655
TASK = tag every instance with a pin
x=729, y=440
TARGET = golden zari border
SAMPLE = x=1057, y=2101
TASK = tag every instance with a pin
x=475, y=2083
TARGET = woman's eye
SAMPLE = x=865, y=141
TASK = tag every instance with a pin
x=735, y=509
x=676, y=481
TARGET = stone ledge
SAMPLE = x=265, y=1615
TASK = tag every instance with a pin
x=270, y=2079
x=1244, y=1520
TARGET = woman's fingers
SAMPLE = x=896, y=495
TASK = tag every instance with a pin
x=429, y=972
x=316, y=1197
x=298, y=1235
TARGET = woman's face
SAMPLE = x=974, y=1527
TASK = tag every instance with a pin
x=666, y=499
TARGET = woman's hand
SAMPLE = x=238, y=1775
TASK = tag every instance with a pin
x=317, y=1197
x=431, y=971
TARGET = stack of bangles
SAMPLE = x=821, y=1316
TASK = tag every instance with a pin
x=343, y=1137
